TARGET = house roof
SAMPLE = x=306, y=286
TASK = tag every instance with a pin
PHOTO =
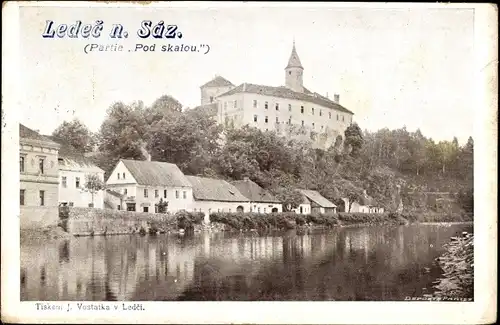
x=27, y=133
x=294, y=61
x=254, y=192
x=71, y=157
x=114, y=193
x=156, y=173
x=318, y=198
x=211, y=189
x=218, y=81
x=284, y=92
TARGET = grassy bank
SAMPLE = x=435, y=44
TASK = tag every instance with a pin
x=457, y=263
x=290, y=220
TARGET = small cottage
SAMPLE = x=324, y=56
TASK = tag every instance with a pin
x=261, y=201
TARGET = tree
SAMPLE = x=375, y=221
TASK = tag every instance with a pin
x=353, y=139
x=162, y=206
x=76, y=134
x=290, y=198
x=165, y=106
x=93, y=184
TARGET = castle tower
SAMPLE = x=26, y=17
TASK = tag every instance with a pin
x=294, y=72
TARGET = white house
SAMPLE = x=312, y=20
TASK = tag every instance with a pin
x=318, y=203
x=74, y=168
x=144, y=183
x=261, y=201
x=365, y=205
x=304, y=207
x=215, y=195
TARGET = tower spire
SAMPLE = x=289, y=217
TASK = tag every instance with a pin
x=294, y=60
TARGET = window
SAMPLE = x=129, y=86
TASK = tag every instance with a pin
x=124, y=191
x=77, y=182
x=342, y=118
x=40, y=165
x=42, y=198
x=277, y=120
x=255, y=118
x=209, y=210
x=330, y=115
x=64, y=181
x=266, y=119
x=145, y=209
x=320, y=113
x=211, y=99
x=302, y=109
x=118, y=175
x=157, y=195
x=218, y=210
x=235, y=104
x=322, y=128
x=118, y=207
x=176, y=194
x=229, y=209
x=255, y=104
x=21, y=164
x=290, y=120
x=184, y=194
x=258, y=209
x=21, y=197
x=266, y=105
x=302, y=123
x=71, y=204
x=313, y=125
x=225, y=105
x=146, y=192
x=164, y=194
x=337, y=117
x=289, y=107
x=277, y=106
x=123, y=175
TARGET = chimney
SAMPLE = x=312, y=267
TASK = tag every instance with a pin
x=145, y=153
x=336, y=98
x=327, y=95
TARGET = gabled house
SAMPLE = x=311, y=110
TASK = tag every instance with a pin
x=144, y=183
x=216, y=195
x=366, y=204
x=318, y=203
x=38, y=176
x=74, y=168
x=261, y=201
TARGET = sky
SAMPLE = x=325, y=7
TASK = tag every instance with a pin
x=392, y=67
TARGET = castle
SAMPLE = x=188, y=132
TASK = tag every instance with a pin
x=291, y=110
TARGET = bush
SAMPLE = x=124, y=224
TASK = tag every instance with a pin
x=187, y=220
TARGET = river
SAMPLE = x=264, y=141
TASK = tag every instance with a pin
x=358, y=263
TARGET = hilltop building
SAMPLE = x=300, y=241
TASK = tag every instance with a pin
x=39, y=180
x=290, y=110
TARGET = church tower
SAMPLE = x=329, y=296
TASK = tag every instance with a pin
x=294, y=72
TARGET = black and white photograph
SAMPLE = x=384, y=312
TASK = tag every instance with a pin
x=249, y=152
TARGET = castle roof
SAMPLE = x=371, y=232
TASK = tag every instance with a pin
x=254, y=192
x=156, y=173
x=218, y=81
x=211, y=189
x=284, y=92
x=294, y=61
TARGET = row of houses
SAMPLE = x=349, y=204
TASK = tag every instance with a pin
x=53, y=173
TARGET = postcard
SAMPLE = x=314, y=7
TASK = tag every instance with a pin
x=249, y=162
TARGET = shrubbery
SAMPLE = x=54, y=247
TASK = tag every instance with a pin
x=187, y=220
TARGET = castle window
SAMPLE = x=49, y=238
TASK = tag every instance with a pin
x=313, y=125
x=211, y=99
x=277, y=106
x=40, y=165
x=123, y=175
x=337, y=117
x=266, y=105
x=124, y=191
x=118, y=175
x=289, y=72
x=42, y=198
x=322, y=128
x=176, y=194
x=21, y=164
x=312, y=111
x=277, y=120
x=302, y=109
x=330, y=115
x=289, y=107
x=302, y=122
x=184, y=194
x=164, y=194
x=255, y=118
x=255, y=104
x=290, y=120
x=146, y=192
x=320, y=113
x=21, y=196
x=266, y=119
x=157, y=194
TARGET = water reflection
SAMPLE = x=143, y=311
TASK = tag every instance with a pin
x=371, y=263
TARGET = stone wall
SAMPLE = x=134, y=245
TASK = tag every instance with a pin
x=89, y=221
x=36, y=217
